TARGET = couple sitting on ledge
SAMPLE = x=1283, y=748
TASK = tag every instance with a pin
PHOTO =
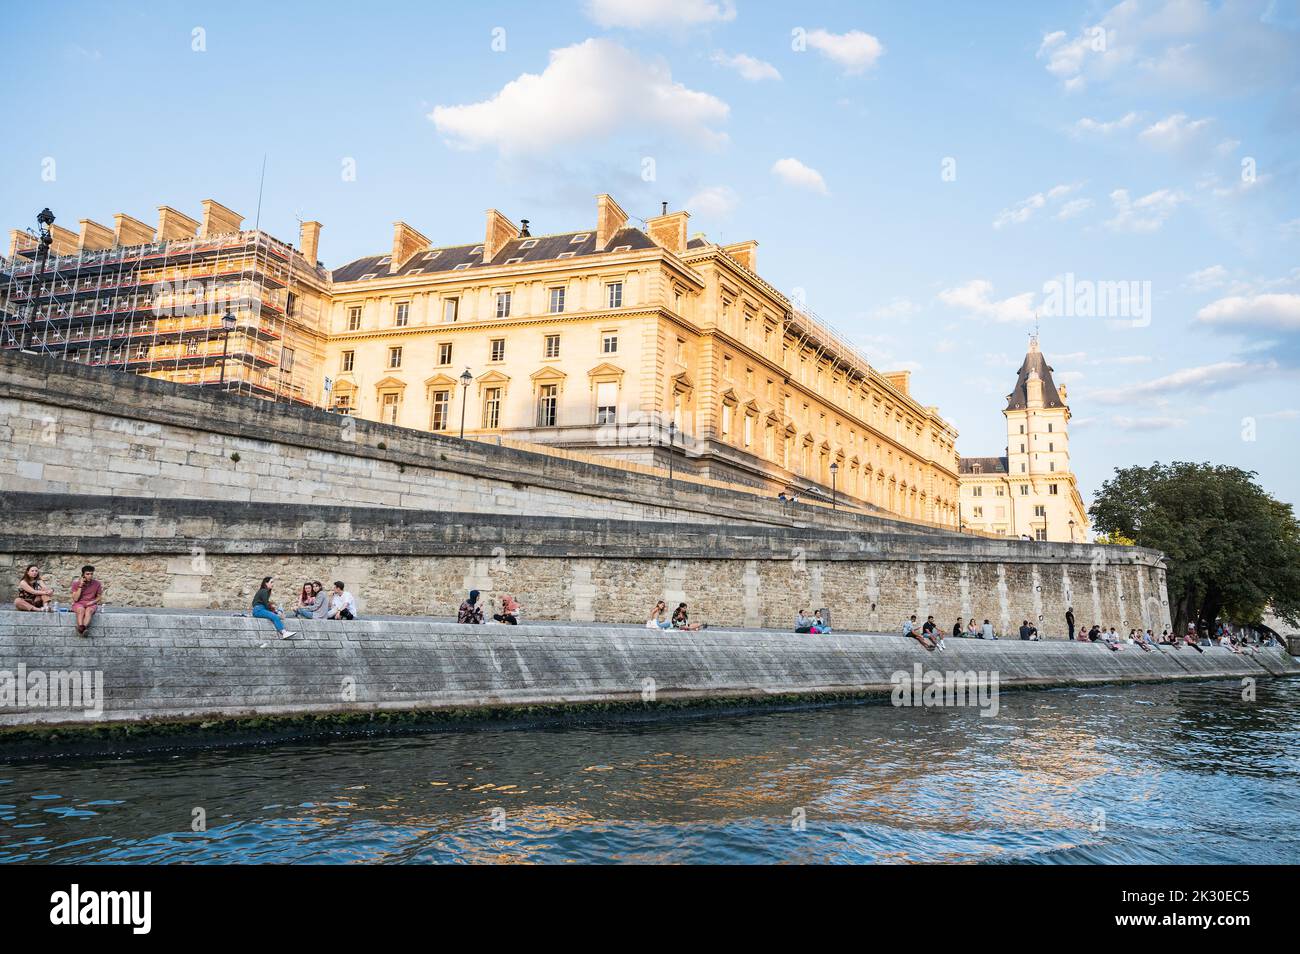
x=471, y=611
x=37, y=596
x=313, y=603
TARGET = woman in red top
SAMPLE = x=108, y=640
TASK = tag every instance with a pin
x=87, y=595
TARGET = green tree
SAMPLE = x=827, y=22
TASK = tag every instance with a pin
x=1232, y=550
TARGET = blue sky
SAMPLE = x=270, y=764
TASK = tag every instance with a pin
x=917, y=172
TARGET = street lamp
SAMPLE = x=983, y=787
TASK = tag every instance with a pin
x=45, y=219
x=466, y=379
x=227, y=326
x=835, y=469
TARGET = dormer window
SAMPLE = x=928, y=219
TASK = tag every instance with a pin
x=565, y=255
x=513, y=261
x=476, y=250
x=580, y=237
x=531, y=243
x=621, y=248
x=461, y=267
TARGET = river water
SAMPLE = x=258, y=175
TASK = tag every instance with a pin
x=1166, y=773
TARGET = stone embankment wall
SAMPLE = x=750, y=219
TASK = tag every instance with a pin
x=196, y=668
x=199, y=554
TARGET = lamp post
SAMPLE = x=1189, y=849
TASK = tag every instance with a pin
x=465, y=380
x=45, y=219
x=835, y=469
x=227, y=326
x=672, y=440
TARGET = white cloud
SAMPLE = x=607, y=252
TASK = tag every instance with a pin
x=1270, y=312
x=714, y=201
x=898, y=308
x=1220, y=375
x=975, y=298
x=1146, y=423
x=1227, y=147
x=1146, y=214
x=638, y=14
x=1174, y=132
x=747, y=66
x=1177, y=45
x=1203, y=279
x=795, y=173
x=1088, y=126
x=855, y=51
x=1074, y=207
x=588, y=91
x=1023, y=210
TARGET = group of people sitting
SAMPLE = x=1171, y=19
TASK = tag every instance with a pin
x=37, y=596
x=471, y=611
x=680, y=619
x=313, y=603
x=815, y=624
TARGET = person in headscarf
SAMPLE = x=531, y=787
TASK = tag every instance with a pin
x=470, y=611
x=509, y=611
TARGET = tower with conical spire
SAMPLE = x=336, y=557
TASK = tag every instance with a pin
x=1030, y=491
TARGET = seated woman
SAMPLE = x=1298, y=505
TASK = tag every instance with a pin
x=658, y=616
x=509, y=611
x=681, y=620
x=819, y=625
x=33, y=595
x=972, y=631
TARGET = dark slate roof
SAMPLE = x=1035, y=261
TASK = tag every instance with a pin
x=987, y=465
x=1018, y=399
x=547, y=247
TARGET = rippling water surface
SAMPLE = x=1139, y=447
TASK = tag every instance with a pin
x=1188, y=774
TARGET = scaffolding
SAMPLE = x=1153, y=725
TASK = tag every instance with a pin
x=156, y=309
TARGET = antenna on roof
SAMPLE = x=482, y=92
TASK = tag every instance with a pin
x=664, y=208
x=257, y=221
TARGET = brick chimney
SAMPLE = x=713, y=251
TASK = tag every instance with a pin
x=406, y=242
x=18, y=239
x=610, y=217
x=175, y=225
x=218, y=220
x=668, y=231
x=66, y=242
x=129, y=231
x=500, y=230
x=746, y=253
x=309, y=241
x=93, y=235
x=900, y=381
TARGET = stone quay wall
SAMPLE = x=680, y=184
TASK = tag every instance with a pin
x=208, y=554
x=205, y=668
x=66, y=428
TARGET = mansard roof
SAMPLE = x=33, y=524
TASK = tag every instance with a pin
x=1018, y=399
x=983, y=465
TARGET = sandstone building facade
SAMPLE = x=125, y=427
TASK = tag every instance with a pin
x=1030, y=491
x=614, y=340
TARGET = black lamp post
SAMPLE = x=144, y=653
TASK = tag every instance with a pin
x=466, y=379
x=835, y=469
x=45, y=219
x=227, y=326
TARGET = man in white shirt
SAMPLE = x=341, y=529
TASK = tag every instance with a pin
x=342, y=605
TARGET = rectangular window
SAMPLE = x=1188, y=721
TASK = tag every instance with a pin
x=450, y=310
x=1049, y=427
x=977, y=491
x=726, y=420
x=503, y=304
x=606, y=402
x=492, y=408
x=390, y=402
x=557, y=300
x=552, y=347
x=749, y=429
x=401, y=314
x=290, y=304
x=615, y=294
x=346, y=360
x=548, y=398
x=1024, y=490
x=394, y=357
x=498, y=349
x=1040, y=534
x=286, y=359
x=979, y=513
x=444, y=353
x=354, y=318
x=1051, y=490
x=609, y=343
x=441, y=407
x=1040, y=510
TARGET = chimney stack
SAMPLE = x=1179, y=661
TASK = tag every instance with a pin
x=406, y=242
x=94, y=235
x=668, y=231
x=129, y=231
x=500, y=230
x=309, y=241
x=610, y=218
x=175, y=225
x=218, y=220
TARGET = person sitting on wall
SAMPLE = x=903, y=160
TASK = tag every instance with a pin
x=87, y=598
x=315, y=602
x=819, y=626
x=972, y=631
x=659, y=617
x=1025, y=629
x=1083, y=635
x=1094, y=634
x=264, y=608
x=931, y=629
x=682, y=620
x=986, y=631
x=803, y=623
x=342, y=604
x=470, y=611
x=33, y=595
x=909, y=629
x=509, y=611
x=957, y=631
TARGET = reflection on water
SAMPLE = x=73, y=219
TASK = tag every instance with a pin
x=1187, y=774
